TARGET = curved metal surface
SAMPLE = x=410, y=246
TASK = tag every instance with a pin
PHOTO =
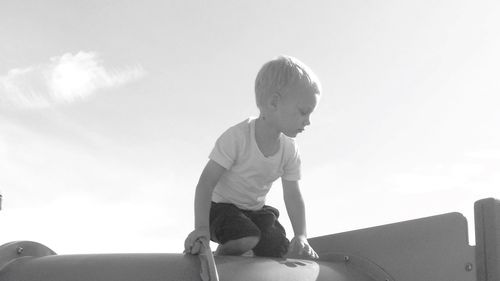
x=178, y=267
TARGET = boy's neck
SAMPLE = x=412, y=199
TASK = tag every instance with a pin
x=265, y=133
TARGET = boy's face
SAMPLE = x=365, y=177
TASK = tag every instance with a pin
x=294, y=109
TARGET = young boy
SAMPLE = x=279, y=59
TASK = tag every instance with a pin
x=247, y=159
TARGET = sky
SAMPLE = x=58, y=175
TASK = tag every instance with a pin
x=109, y=109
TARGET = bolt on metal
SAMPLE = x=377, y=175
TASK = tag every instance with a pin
x=468, y=266
x=20, y=250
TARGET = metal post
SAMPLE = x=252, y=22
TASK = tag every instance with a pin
x=208, y=266
x=487, y=217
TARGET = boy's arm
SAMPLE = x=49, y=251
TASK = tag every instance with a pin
x=296, y=211
x=202, y=202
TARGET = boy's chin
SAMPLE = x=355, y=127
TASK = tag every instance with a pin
x=291, y=134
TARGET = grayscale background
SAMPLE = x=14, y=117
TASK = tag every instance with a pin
x=109, y=109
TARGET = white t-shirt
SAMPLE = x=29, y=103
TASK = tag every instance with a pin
x=250, y=174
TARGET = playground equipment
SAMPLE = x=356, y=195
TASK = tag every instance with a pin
x=434, y=248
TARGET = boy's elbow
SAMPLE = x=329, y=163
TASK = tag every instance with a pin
x=206, y=183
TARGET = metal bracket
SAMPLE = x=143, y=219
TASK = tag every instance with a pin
x=18, y=249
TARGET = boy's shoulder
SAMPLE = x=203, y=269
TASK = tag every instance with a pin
x=241, y=127
x=245, y=124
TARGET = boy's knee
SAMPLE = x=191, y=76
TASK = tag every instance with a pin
x=273, y=243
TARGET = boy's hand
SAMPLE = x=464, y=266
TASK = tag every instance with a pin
x=300, y=248
x=192, y=245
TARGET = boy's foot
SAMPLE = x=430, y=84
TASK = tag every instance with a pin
x=217, y=252
x=248, y=254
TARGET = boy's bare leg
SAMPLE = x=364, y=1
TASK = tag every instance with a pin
x=237, y=247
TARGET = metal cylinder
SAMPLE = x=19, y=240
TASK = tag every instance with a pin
x=167, y=267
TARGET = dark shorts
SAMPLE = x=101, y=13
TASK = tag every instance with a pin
x=228, y=222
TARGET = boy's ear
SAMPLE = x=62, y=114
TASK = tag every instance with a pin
x=273, y=101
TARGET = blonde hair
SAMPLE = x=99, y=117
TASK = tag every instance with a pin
x=281, y=72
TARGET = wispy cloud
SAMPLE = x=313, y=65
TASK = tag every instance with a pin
x=64, y=79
